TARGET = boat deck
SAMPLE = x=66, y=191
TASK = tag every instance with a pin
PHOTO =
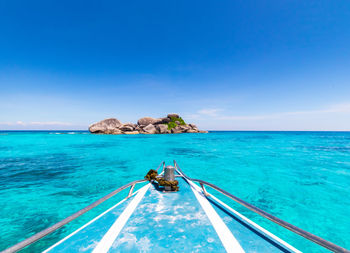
x=183, y=221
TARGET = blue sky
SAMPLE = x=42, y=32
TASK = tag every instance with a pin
x=226, y=65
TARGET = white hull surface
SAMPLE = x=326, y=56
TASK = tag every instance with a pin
x=183, y=221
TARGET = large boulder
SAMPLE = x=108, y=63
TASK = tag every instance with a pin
x=130, y=124
x=105, y=126
x=165, y=120
x=162, y=128
x=150, y=129
x=161, y=121
x=145, y=121
x=138, y=128
x=173, y=115
x=184, y=128
x=176, y=130
x=126, y=127
x=113, y=131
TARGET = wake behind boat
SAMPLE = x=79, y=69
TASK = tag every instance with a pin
x=172, y=214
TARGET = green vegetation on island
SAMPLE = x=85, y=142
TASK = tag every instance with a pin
x=174, y=122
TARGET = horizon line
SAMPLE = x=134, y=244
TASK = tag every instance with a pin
x=85, y=130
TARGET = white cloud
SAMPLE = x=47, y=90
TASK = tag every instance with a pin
x=332, y=118
x=345, y=108
x=51, y=123
x=210, y=112
x=339, y=108
x=36, y=123
x=21, y=123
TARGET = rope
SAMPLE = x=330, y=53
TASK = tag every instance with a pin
x=152, y=176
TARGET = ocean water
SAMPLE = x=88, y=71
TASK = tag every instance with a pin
x=301, y=177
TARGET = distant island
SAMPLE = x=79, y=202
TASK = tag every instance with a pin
x=172, y=124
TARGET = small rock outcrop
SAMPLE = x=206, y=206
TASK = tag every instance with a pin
x=127, y=128
x=173, y=115
x=162, y=128
x=105, y=126
x=150, y=129
x=173, y=123
x=145, y=121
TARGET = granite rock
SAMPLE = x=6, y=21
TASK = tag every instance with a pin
x=105, y=125
x=162, y=128
x=132, y=132
x=145, y=121
x=176, y=130
x=126, y=128
x=145, y=125
x=173, y=115
x=151, y=129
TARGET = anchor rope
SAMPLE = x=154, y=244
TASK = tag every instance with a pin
x=153, y=176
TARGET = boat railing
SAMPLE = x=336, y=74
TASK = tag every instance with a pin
x=331, y=246
x=316, y=239
x=60, y=224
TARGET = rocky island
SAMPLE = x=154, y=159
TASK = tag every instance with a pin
x=172, y=124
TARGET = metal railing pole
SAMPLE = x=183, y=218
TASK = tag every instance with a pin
x=162, y=163
x=130, y=191
x=60, y=224
x=316, y=239
x=204, y=190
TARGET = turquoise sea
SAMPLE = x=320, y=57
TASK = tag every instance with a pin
x=301, y=177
